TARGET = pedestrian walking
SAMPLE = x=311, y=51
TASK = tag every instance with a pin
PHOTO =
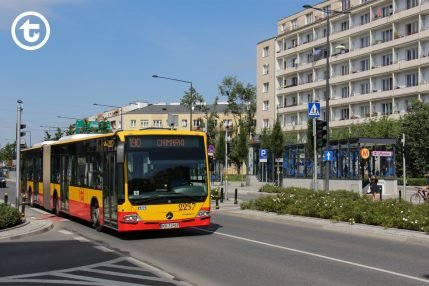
x=373, y=186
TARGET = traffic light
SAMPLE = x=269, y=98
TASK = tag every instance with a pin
x=22, y=133
x=321, y=133
x=404, y=150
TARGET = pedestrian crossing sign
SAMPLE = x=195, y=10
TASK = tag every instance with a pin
x=314, y=109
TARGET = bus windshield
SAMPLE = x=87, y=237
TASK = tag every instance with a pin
x=164, y=169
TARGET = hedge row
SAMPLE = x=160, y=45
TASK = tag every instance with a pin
x=413, y=181
x=9, y=216
x=344, y=206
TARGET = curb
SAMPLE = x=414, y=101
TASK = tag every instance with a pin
x=27, y=229
x=24, y=223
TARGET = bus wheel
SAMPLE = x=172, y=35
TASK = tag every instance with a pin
x=95, y=216
x=56, y=204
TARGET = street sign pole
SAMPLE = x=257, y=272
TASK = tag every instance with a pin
x=404, y=167
x=18, y=151
x=315, y=156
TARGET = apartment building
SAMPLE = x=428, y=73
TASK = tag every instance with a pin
x=379, y=63
x=163, y=115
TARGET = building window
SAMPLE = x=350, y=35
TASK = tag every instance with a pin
x=345, y=69
x=364, y=111
x=412, y=54
x=364, y=65
x=293, y=24
x=387, y=59
x=364, y=42
x=265, y=51
x=294, y=63
x=309, y=58
x=184, y=123
x=266, y=123
x=387, y=35
x=133, y=123
x=310, y=77
x=412, y=28
x=265, y=87
x=265, y=105
x=308, y=38
x=345, y=114
x=387, y=84
x=412, y=3
x=157, y=123
x=412, y=79
x=364, y=88
x=265, y=69
x=386, y=108
x=364, y=19
x=283, y=27
x=344, y=25
x=144, y=123
x=294, y=81
x=345, y=92
x=196, y=123
x=309, y=18
x=345, y=4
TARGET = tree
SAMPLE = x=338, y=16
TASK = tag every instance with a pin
x=71, y=129
x=7, y=153
x=240, y=148
x=196, y=100
x=58, y=134
x=415, y=126
x=212, y=117
x=47, y=136
x=277, y=145
x=241, y=100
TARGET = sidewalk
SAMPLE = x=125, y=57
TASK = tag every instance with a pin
x=33, y=225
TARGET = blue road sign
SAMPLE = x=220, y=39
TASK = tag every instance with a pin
x=314, y=109
x=328, y=155
x=263, y=155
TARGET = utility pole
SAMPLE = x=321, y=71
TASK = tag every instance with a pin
x=18, y=150
x=226, y=161
x=404, y=165
x=315, y=156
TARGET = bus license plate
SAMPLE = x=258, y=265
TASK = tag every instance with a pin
x=169, y=225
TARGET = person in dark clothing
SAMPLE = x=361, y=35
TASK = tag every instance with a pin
x=373, y=186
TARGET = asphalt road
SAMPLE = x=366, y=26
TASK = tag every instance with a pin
x=239, y=250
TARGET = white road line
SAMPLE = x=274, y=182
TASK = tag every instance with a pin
x=104, y=249
x=81, y=239
x=319, y=256
x=63, y=231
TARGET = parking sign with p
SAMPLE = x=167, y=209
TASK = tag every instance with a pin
x=263, y=155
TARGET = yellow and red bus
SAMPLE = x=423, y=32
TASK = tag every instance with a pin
x=127, y=181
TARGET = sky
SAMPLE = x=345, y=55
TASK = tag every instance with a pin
x=106, y=51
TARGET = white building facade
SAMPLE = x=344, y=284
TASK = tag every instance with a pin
x=379, y=63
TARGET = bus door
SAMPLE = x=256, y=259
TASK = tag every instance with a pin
x=36, y=175
x=65, y=177
x=110, y=200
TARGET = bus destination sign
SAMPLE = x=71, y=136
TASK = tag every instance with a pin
x=163, y=142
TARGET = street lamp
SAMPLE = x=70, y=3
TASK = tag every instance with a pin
x=65, y=117
x=190, y=82
x=112, y=106
x=328, y=75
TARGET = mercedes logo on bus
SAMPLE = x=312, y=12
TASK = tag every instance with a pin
x=169, y=215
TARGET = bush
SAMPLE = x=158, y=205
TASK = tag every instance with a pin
x=344, y=206
x=9, y=216
x=413, y=181
x=215, y=194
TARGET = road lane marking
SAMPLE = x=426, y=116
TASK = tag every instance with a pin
x=63, y=231
x=104, y=249
x=81, y=239
x=318, y=255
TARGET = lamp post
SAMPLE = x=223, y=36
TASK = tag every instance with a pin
x=18, y=150
x=192, y=98
x=112, y=106
x=328, y=75
x=65, y=117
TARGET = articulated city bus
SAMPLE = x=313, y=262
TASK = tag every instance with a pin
x=127, y=181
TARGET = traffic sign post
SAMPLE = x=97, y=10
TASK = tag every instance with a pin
x=328, y=155
x=314, y=112
x=263, y=158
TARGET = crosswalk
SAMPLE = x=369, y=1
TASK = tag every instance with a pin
x=125, y=271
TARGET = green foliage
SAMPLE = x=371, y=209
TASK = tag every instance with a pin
x=8, y=152
x=195, y=99
x=240, y=149
x=212, y=117
x=277, y=146
x=270, y=189
x=220, y=146
x=9, y=216
x=344, y=206
x=71, y=129
x=215, y=194
x=415, y=125
x=58, y=134
x=48, y=136
x=413, y=181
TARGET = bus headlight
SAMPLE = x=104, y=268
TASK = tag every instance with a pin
x=131, y=218
x=203, y=213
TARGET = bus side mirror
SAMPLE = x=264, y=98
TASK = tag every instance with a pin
x=120, y=152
